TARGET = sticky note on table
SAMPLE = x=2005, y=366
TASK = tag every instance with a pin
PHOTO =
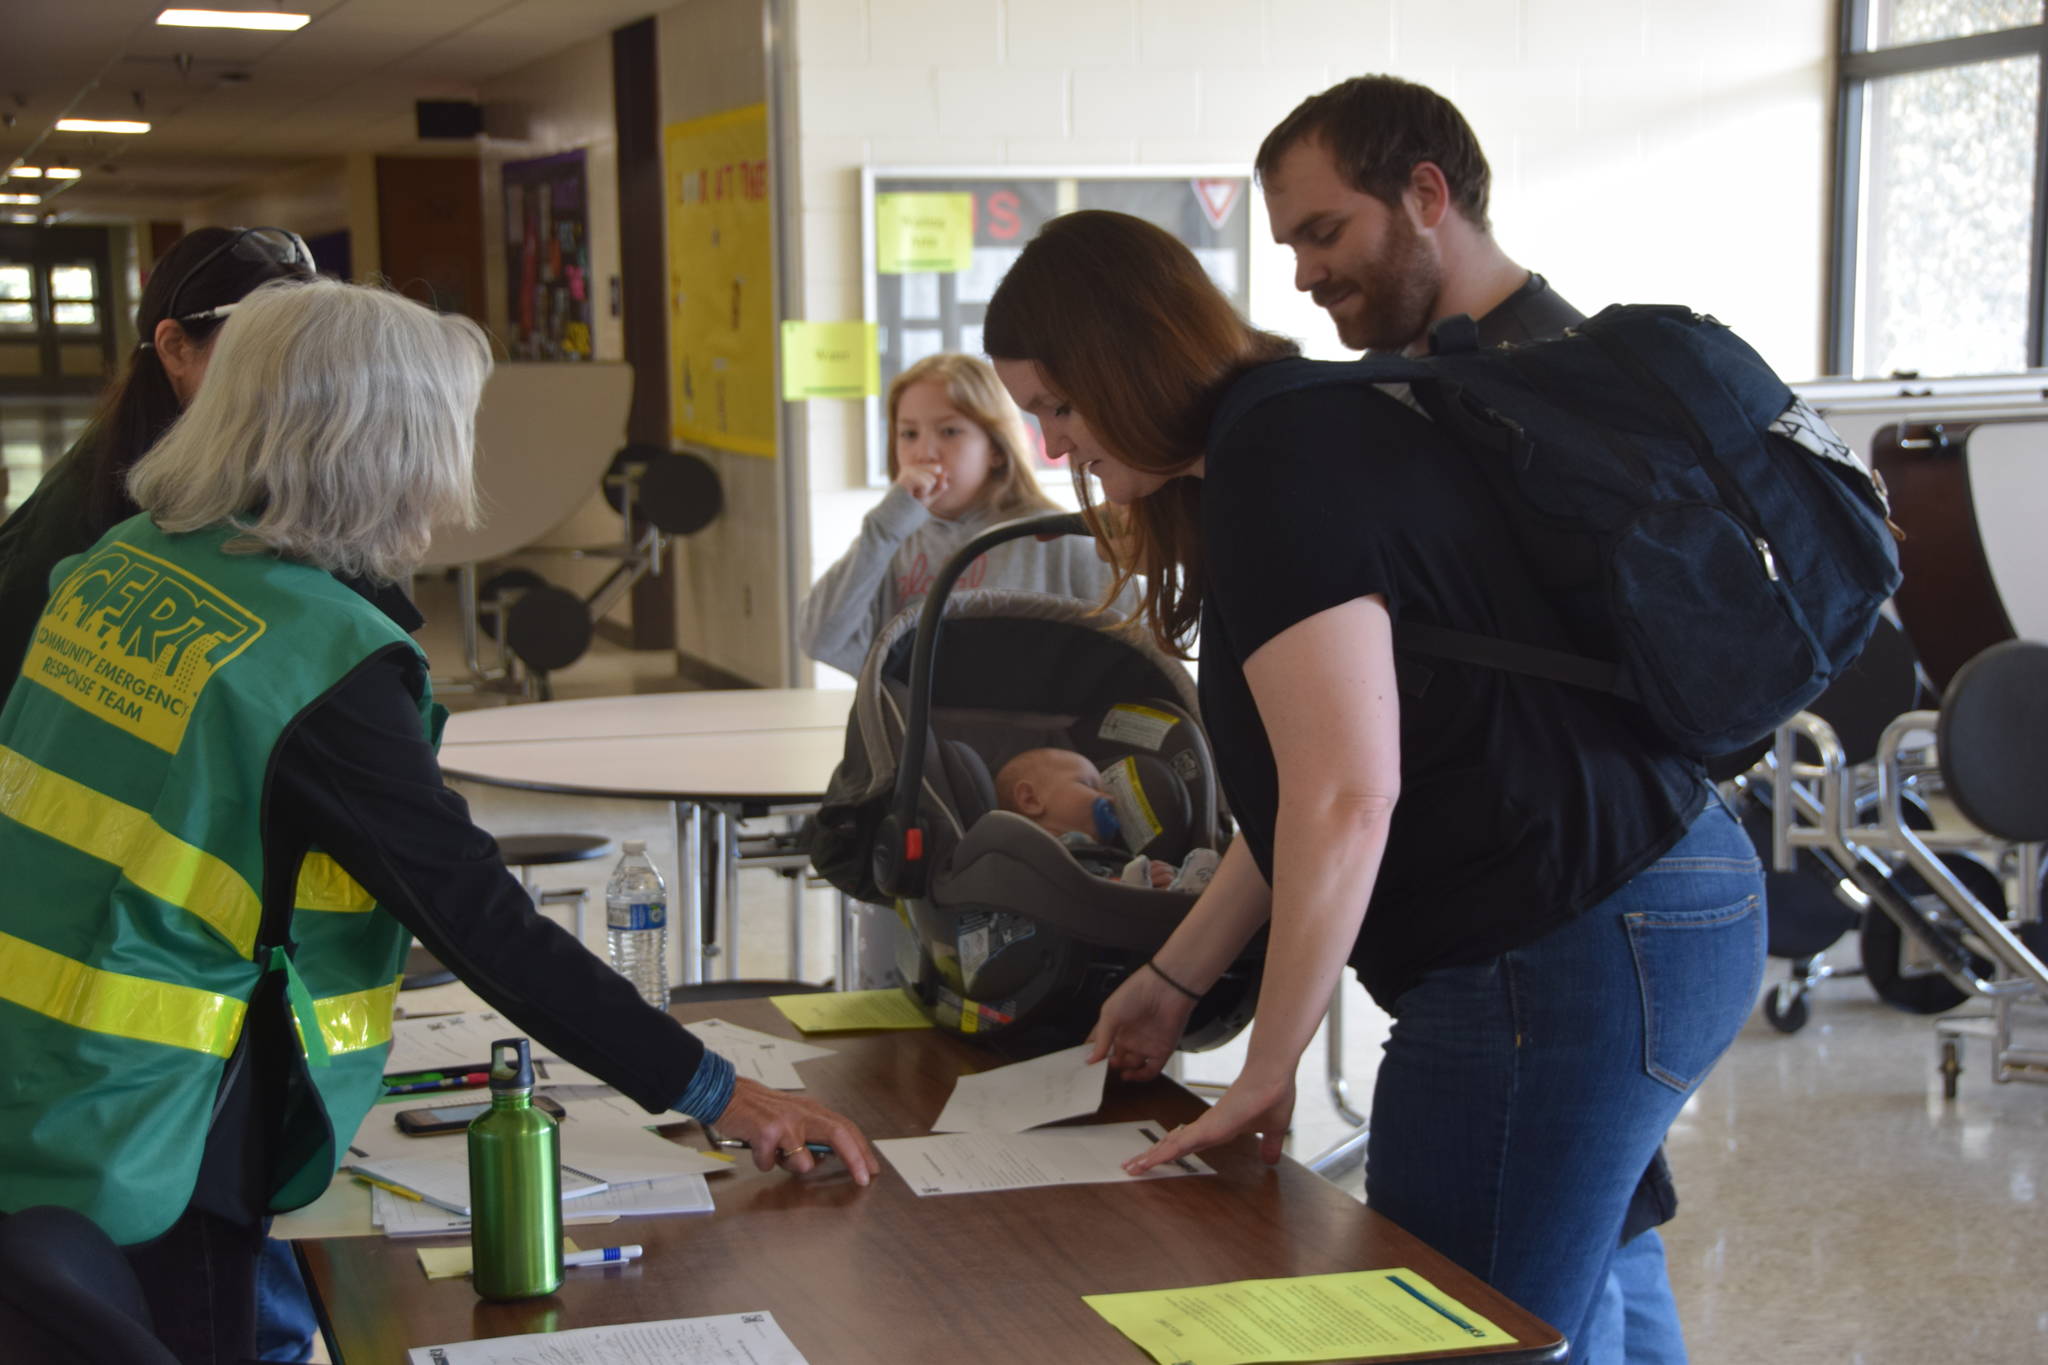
x=1355, y=1315
x=448, y=1263
x=843, y=1011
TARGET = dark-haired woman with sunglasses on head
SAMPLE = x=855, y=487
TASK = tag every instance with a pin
x=190, y=292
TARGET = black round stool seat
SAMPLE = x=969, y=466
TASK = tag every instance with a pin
x=535, y=850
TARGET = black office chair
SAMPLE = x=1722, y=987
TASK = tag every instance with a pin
x=68, y=1295
x=1993, y=719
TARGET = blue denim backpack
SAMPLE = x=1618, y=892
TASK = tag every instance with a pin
x=1717, y=554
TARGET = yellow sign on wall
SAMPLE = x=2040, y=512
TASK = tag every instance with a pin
x=830, y=360
x=921, y=232
x=721, y=293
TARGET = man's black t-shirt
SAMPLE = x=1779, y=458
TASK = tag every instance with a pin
x=1522, y=801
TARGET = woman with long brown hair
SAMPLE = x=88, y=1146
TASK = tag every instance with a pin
x=1564, y=924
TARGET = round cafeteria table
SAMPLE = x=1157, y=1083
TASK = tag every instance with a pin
x=714, y=757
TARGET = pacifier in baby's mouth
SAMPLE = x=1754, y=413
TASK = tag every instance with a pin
x=1108, y=829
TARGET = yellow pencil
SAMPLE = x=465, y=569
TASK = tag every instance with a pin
x=399, y=1190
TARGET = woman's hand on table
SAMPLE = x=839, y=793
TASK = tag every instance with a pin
x=777, y=1125
x=1140, y=1026
x=1247, y=1107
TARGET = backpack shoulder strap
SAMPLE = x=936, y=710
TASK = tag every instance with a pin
x=1295, y=374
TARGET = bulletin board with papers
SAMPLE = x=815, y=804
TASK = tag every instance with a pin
x=935, y=242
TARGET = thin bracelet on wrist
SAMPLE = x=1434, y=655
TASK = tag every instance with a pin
x=1192, y=995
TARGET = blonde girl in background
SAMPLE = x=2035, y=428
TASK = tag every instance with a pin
x=959, y=462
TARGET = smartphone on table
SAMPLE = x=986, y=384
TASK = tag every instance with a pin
x=454, y=1118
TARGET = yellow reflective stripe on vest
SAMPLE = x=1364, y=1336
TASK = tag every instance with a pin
x=357, y=1020
x=135, y=1007
x=149, y=855
x=324, y=886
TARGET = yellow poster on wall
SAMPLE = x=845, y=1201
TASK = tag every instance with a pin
x=721, y=341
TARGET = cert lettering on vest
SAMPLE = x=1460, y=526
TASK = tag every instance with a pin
x=134, y=639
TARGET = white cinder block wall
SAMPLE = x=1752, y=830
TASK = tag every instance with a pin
x=1643, y=150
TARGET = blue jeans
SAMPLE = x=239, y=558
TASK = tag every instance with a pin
x=285, y=1326
x=1520, y=1099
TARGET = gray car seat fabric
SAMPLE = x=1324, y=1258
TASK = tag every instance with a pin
x=974, y=791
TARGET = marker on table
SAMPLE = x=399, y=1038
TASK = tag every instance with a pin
x=601, y=1255
x=408, y=1077
x=1428, y=1302
x=467, y=1081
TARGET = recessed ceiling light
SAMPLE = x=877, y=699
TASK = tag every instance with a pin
x=26, y=172
x=59, y=172
x=101, y=125
x=234, y=18
x=21, y=199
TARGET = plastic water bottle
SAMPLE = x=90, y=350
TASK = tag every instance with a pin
x=515, y=1185
x=636, y=924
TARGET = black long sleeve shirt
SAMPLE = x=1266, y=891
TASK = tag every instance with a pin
x=355, y=778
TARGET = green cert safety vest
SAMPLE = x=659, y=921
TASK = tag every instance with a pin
x=134, y=756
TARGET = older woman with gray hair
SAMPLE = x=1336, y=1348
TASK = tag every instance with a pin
x=222, y=820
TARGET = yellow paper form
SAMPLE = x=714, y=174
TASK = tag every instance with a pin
x=830, y=360
x=923, y=232
x=840, y=1011
x=1348, y=1316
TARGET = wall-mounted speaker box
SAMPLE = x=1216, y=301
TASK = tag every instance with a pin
x=448, y=118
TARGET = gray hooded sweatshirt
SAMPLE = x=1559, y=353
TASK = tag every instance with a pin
x=899, y=551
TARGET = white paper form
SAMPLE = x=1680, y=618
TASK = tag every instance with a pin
x=397, y=1217
x=978, y=1163
x=735, y=1339
x=447, y=1042
x=440, y=1175
x=1010, y=1099
x=462, y=1042
x=623, y=1155
x=760, y=1056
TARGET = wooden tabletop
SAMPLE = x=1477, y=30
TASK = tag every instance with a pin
x=655, y=713
x=882, y=1275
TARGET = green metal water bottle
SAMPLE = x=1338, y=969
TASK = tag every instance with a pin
x=515, y=1185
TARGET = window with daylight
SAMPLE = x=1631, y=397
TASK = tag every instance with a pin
x=1939, y=239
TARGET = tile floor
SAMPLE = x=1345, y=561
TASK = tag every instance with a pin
x=1836, y=1208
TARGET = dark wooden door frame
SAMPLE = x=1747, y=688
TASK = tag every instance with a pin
x=643, y=287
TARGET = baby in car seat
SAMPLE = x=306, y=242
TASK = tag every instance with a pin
x=1062, y=793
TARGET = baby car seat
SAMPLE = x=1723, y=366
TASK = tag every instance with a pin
x=1010, y=939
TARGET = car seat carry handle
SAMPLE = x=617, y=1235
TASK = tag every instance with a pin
x=901, y=867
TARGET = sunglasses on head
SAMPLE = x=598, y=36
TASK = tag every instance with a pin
x=275, y=246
